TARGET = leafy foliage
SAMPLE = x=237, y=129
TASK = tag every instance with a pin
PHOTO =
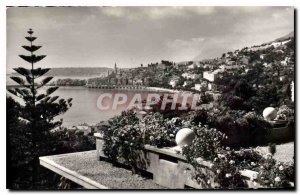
x=243, y=129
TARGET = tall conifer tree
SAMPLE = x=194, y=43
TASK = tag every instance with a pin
x=40, y=108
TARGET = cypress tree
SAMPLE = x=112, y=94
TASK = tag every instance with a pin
x=39, y=108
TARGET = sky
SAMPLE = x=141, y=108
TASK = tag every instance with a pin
x=130, y=36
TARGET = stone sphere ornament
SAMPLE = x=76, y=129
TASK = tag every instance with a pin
x=184, y=136
x=269, y=113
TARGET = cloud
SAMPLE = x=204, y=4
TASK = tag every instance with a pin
x=114, y=11
x=99, y=36
x=191, y=43
x=163, y=12
x=179, y=50
x=135, y=13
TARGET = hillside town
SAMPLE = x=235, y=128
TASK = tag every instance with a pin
x=275, y=60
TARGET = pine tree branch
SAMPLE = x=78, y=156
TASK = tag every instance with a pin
x=40, y=97
x=45, y=81
x=23, y=71
x=31, y=48
x=38, y=72
x=29, y=80
x=12, y=91
x=45, y=100
x=18, y=80
x=30, y=31
x=33, y=58
x=31, y=39
x=51, y=90
x=52, y=99
x=19, y=91
x=70, y=100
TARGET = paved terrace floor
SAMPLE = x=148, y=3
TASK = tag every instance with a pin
x=84, y=169
x=284, y=152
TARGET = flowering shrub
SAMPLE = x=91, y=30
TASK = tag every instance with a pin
x=285, y=113
x=206, y=144
x=126, y=135
x=123, y=139
x=158, y=131
x=227, y=174
x=227, y=164
x=243, y=159
x=277, y=175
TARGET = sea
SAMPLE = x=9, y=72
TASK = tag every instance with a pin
x=84, y=107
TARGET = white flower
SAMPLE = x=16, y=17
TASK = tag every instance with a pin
x=254, y=183
x=261, y=167
x=231, y=162
x=227, y=148
x=269, y=156
x=218, y=171
x=253, y=163
x=228, y=175
x=281, y=168
x=208, y=181
x=277, y=179
x=171, y=135
x=151, y=138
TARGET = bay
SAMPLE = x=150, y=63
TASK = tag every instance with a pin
x=84, y=107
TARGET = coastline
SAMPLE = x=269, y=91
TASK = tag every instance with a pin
x=138, y=88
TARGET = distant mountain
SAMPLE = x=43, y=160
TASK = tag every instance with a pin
x=78, y=72
x=290, y=35
x=81, y=72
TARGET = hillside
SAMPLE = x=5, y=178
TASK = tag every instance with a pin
x=290, y=35
x=200, y=57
